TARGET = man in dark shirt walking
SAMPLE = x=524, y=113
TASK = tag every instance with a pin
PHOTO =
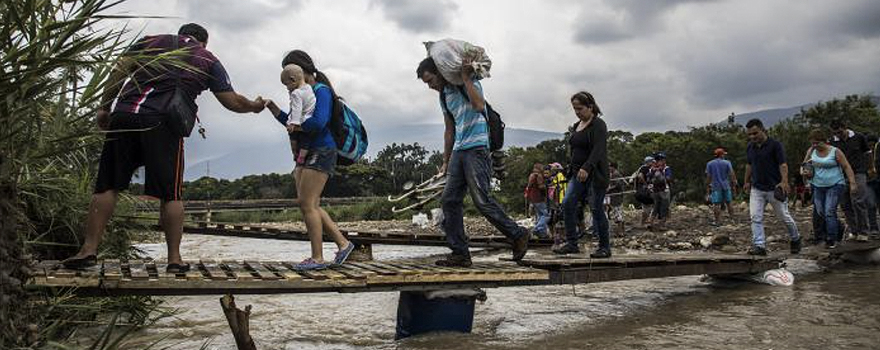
x=855, y=205
x=766, y=181
x=138, y=132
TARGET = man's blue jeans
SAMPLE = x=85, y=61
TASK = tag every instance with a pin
x=825, y=200
x=757, y=201
x=541, y=217
x=596, y=198
x=470, y=170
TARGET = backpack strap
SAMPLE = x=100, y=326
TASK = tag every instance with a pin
x=466, y=98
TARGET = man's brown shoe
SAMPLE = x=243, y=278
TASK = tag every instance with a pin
x=520, y=247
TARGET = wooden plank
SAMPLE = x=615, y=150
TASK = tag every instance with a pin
x=377, y=269
x=348, y=272
x=285, y=271
x=215, y=272
x=161, y=271
x=435, y=268
x=150, y=267
x=238, y=270
x=412, y=267
x=358, y=270
x=390, y=267
x=195, y=272
x=261, y=271
x=112, y=270
x=138, y=270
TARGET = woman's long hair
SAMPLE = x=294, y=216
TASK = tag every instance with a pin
x=586, y=99
x=304, y=61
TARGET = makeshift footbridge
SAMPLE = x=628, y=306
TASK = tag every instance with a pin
x=418, y=281
x=136, y=277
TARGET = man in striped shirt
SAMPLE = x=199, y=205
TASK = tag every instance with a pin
x=467, y=164
x=138, y=133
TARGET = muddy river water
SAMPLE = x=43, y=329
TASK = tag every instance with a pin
x=836, y=308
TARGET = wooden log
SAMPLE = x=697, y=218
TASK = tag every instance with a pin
x=238, y=323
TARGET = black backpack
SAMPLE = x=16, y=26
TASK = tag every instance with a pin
x=493, y=120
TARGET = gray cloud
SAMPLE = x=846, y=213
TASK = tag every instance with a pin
x=622, y=20
x=233, y=15
x=418, y=16
x=855, y=19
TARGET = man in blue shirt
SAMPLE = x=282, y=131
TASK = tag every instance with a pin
x=720, y=182
x=467, y=164
x=766, y=181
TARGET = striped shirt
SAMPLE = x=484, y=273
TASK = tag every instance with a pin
x=471, y=130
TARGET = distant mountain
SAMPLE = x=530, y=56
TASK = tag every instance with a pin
x=268, y=159
x=772, y=116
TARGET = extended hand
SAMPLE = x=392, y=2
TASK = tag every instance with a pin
x=259, y=104
x=442, y=169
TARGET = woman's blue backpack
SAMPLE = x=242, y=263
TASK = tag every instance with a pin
x=348, y=131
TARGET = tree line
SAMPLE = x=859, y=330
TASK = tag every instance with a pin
x=687, y=152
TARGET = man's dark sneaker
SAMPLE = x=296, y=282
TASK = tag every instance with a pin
x=795, y=246
x=601, y=253
x=755, y=250
x=455, y=260
x=520, y=246
x=177, y=268
x=80, y=263
x=567, y=249
x=830, y=244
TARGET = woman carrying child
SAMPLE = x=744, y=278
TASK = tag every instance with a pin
x=315, y=154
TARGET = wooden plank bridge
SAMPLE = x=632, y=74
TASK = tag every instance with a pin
x=136, y=277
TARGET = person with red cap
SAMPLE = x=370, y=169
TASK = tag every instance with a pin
x=720, y=183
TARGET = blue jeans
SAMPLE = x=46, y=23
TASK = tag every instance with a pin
x=596, y=197
x=541, y=217
x=470, y=170
x=757, y=201
x=825, y=200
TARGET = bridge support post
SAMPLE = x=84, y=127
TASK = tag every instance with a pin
x=239, y=323
x=362, y=252
x=421, y=312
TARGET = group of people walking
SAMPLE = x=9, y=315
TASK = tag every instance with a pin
x=138, y=135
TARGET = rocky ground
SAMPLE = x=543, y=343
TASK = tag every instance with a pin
x=688, y=228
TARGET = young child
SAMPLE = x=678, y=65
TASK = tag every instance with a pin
x=302, y=106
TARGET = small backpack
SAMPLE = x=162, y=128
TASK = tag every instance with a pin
x=493, y=120
x=348, y=131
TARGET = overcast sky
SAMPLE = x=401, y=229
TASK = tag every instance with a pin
x=653, y=65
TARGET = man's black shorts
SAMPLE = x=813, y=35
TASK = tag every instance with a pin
x=141, y=140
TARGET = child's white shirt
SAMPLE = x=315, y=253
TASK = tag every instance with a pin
x=302, y=104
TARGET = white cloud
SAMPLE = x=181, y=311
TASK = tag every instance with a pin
x=652, y=66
